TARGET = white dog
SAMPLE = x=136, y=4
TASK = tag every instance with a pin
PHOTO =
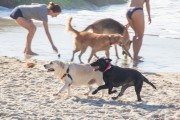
x=75, y=74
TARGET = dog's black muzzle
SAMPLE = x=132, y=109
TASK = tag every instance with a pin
x=49, y=69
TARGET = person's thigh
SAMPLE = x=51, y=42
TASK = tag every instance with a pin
x=138, y=22
x=130, y=22
x=27, y=24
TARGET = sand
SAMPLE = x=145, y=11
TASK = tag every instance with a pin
x=27, y=93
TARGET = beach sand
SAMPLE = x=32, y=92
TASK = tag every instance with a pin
x=27, y=93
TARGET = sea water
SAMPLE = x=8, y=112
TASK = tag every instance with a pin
x=160, y=49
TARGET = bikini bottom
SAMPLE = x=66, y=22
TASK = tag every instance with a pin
x=131, y=11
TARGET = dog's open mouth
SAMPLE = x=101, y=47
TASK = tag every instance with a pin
x=50, y=70
x=95, y=68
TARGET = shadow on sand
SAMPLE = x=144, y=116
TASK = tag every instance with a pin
x=142, y=105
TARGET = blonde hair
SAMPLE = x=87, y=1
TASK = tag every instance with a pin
x=54, y=7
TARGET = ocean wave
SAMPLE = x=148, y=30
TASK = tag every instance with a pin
x=4, y=12
x=4, y=8
x=66, y=4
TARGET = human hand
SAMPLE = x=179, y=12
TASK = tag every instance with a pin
x=55, y=49
x=149, y=19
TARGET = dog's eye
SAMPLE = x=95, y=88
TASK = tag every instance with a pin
x=50, y=63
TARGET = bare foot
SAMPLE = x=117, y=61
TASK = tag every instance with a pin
x=30, y=53
x=136, y=61
x=140, y=57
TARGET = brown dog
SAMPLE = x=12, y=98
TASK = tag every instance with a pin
x=97, y=42
x=108, y=26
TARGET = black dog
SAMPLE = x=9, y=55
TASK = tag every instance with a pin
x=115, y=76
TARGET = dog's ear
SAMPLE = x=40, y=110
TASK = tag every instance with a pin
x=108, y=60
x=61, y=64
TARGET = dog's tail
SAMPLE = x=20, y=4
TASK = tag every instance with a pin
x=147, y=81
x=70, y=28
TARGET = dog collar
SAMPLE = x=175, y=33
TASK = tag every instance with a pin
x=67, y=74
x=108, y=67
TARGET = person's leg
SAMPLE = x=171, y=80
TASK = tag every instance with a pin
x=27, y=24
x=138, y=27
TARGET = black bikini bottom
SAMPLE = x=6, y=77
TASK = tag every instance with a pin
x=132, y=10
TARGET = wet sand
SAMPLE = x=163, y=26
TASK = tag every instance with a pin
x=160, y=55
x=27, y=93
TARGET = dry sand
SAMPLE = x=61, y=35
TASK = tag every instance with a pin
x=27, y=93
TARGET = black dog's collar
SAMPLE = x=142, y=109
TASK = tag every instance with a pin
x=108, y=67
x=67, y=74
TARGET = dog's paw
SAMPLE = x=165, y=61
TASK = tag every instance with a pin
x=94, y=92
x=114, y=98
x=114, y=91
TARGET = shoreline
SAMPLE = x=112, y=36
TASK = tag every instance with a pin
x=157, y=54
x=27, y=93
